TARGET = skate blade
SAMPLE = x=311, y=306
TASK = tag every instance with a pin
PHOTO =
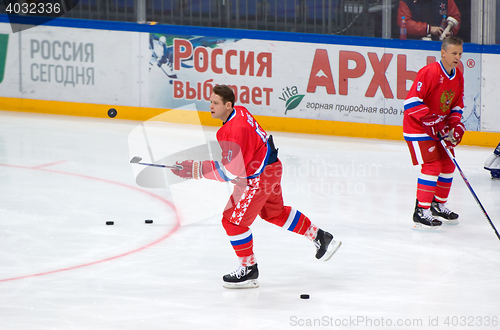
x=447, y=222
x=422, y=227
x=249, y=284
x=450, y=222
x=332, y=248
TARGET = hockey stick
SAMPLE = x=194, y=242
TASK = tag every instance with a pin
x=137, y=159
x=171, y=76
x=468, y=185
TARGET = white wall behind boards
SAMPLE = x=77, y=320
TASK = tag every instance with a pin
x=75, y=65
x=490, y=92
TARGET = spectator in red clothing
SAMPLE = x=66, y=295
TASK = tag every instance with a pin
x=423, y=17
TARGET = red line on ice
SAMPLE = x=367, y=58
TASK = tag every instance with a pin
x=161, y=199
x=46, y=165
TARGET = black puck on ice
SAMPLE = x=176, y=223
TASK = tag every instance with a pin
x=109, y=223
x=148, y=221
x=112, y=113
x=304, y=296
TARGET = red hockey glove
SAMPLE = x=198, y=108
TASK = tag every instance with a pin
x=455, y=133
x=191, y=169
x=433, y=125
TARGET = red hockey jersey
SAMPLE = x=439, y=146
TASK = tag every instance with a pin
x=434, y=91
x=245, y=148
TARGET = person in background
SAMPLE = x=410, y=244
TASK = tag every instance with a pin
x=427, y=18
x=433, y=111
x=250, y=161
x=492, y=164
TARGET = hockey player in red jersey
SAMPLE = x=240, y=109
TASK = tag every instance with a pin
x=250, y=161
x=433, y=110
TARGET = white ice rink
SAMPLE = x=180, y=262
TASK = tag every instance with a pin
x=61, y=267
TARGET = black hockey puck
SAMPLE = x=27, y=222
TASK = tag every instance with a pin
x=304, y=296
x=109, y=223
x=148, y=221
x=112, y=113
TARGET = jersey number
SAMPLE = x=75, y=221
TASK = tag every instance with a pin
x=260, y=132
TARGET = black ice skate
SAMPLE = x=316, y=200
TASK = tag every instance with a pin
x=441, y=212
x=325, y=245
x=423, y=220
x=242, y=278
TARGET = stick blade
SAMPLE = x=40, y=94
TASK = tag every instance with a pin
x=135, y=159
